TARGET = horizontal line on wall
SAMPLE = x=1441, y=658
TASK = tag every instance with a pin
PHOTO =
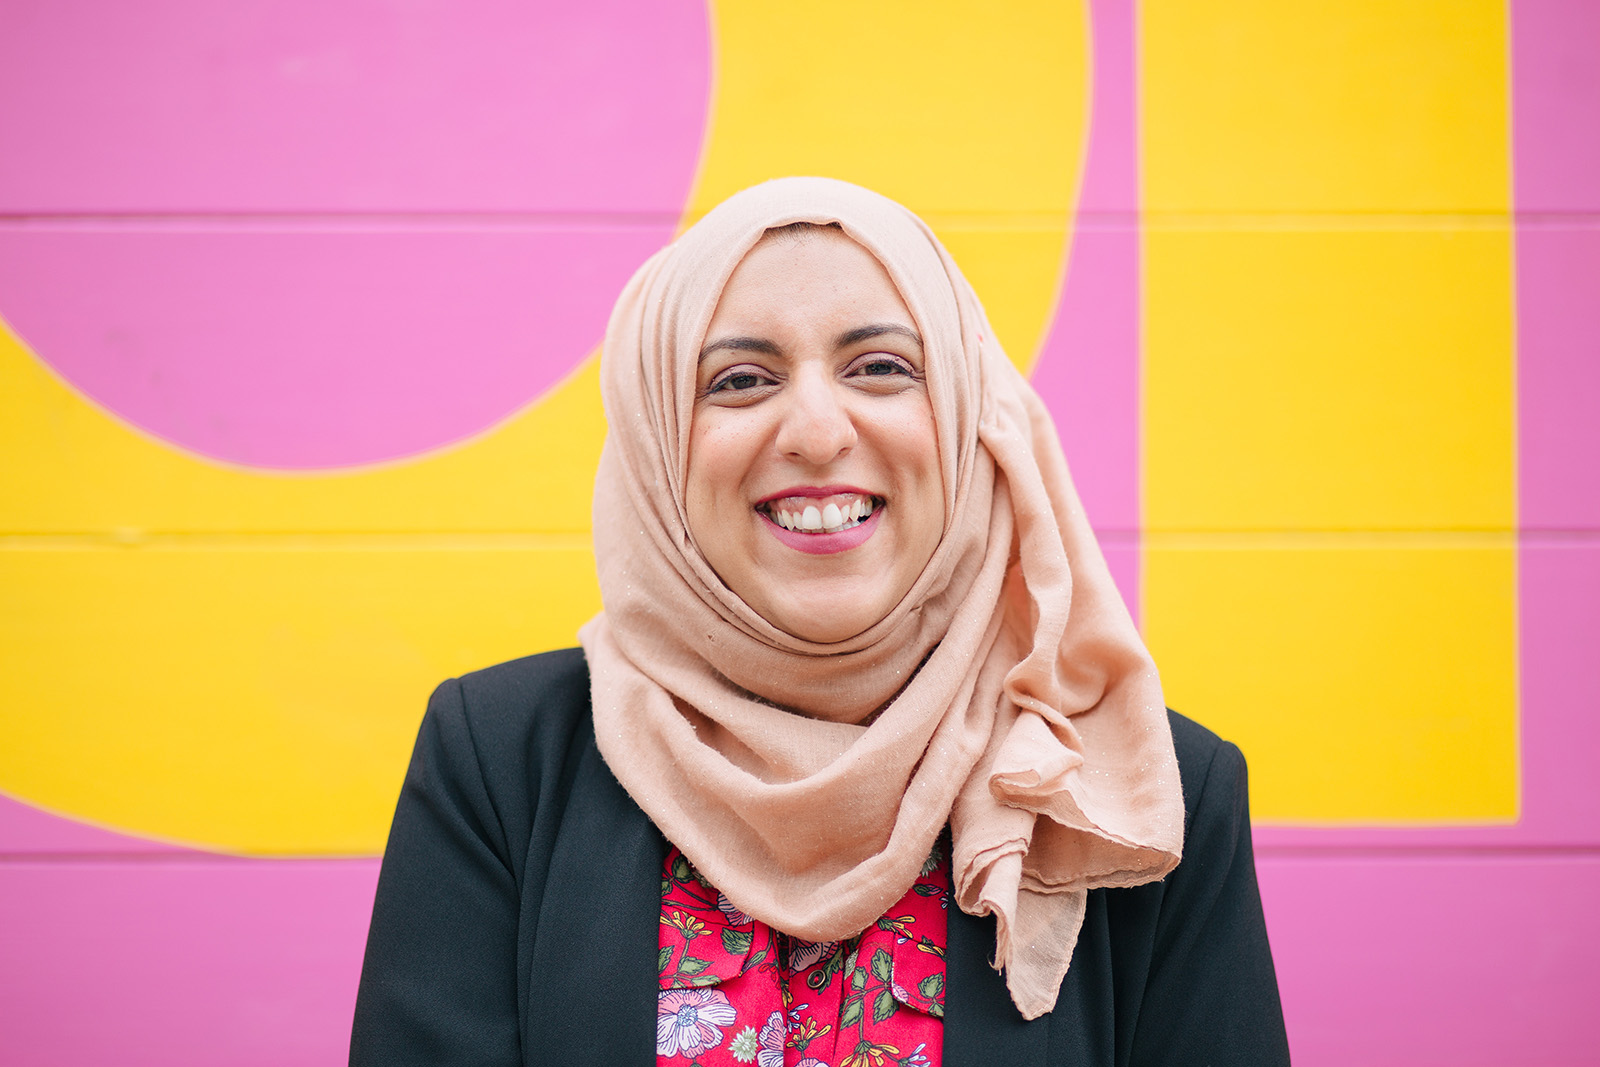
x=1008, y=222
x=353, y=224
x=143, y=219
x=1558, y=536
x=173, y=858
x=1375, y=222
x=570, y=540
x=566, y=540
x=1409, y=851
x=1332, y=853
x=1018, y=219
x=1347, y=538
x=299, y=540
x=1338, y=222
x=1029, y=219
x=1251, y=540
x=1383, y=539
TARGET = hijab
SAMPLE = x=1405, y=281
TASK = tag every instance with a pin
x=1008, y=694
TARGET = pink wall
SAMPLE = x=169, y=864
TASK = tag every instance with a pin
x=1088, y=369
x=176, y=959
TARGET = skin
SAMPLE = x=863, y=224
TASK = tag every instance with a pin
x=813, y=378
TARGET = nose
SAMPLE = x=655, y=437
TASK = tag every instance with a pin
x=817, y=426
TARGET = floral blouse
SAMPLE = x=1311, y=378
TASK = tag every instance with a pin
x=735, y=991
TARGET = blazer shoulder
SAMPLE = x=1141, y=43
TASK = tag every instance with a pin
x=535, y=704
x=1195, y=743
x=549, y=677
x=1202, y=754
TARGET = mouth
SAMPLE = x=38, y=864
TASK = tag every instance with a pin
x=830, y=514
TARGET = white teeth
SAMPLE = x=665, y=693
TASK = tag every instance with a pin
x=832, y=517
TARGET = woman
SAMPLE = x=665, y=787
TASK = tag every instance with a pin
x=859, y=647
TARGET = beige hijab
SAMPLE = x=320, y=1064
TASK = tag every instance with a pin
x=1008, y=694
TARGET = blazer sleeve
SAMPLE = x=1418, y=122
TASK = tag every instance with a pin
x=438, y=984
x=1211, y=995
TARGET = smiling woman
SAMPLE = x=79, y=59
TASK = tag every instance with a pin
x=814, y=489
x=860, y=660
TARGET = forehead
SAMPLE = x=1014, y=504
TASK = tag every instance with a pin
x=796, y=276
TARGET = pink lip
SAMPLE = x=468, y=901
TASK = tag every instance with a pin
x=813, y=490
x=820, y=544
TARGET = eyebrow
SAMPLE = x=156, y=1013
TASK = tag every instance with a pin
x=877, y=329
x=846, y=339
x=742, y=344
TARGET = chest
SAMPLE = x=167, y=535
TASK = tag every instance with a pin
x=589, y=940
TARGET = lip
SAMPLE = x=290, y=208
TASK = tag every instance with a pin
x=822, y=544
x=813, y=491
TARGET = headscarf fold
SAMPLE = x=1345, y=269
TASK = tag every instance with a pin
x=1008, y=694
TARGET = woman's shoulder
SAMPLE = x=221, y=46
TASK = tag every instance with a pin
x=552, y=682
x=1193, y=947
x=1209, y=768
x=514, y=717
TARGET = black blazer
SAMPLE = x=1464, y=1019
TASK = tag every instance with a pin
x=517, y=908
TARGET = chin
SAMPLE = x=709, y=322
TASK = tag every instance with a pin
x=820, y=621
x=827, y=637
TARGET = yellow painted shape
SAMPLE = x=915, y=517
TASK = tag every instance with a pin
x=1370, y=685
x=238, y=658
x=72, y=468
x=1362, y=105
x=257, y=695
x=1328, y=416
x=1335, y=379
x=974, y=115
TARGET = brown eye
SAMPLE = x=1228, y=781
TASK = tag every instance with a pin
x=737, y=381
x=881, y=366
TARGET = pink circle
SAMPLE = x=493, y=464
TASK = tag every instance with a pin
x=316, y=234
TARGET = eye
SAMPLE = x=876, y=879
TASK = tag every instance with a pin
x=882, y=365
x=738, y=379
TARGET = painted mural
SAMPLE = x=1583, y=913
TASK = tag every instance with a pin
x=300, y=416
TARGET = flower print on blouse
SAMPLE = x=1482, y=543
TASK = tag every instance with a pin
x=735, y=991
x=690, y=1021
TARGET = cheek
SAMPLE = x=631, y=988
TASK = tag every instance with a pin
x=918, y=447
x=716, y=472
x=698, y=483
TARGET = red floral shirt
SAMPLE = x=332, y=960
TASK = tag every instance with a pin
x=734, y=991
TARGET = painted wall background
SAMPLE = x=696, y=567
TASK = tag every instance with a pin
x=299, y=416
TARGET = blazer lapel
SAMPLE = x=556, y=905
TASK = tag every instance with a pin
x=592, y=986
x=981, y=1025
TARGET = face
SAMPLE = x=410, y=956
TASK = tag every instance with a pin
x=814, y=488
